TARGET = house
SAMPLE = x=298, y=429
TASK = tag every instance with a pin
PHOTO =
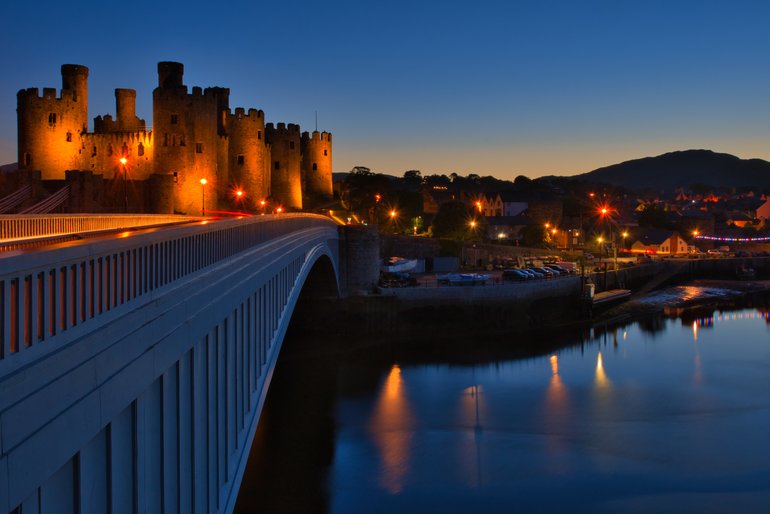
x=503, y=204
x=660, y=241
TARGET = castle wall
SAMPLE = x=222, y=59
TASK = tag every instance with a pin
x=194, y=136
x=317, y=165
x=286, y=185
x=101, y=153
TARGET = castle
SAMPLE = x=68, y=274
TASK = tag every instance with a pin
x=195, y=136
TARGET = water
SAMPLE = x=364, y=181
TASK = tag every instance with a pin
x=664, y=415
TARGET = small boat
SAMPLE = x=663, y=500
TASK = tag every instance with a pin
x=463, y=279
x=399, y=265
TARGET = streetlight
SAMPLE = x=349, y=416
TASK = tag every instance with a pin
x=203, y=196
x=262, y=206
x=123, y=161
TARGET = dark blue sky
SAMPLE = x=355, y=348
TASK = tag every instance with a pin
x=488, y=87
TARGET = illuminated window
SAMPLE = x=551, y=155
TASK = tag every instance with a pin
x=69, y=137
x=240, y=159
x=277, y=165
x=52, y=118
x=176, y=177
x=140, y=150
x=315, y=166
x=174, y=119
x=198, y=147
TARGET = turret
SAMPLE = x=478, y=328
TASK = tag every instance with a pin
x=125, y=104
x=74, y=78
x=285, y=179
x=317, y=165
x=170, y=74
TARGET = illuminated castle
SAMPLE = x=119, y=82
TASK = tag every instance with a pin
x=195, y=136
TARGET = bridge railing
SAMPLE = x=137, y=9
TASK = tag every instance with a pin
x=49, y=297
x=26, y=226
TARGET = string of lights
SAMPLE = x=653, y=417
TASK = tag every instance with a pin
x=734, y=239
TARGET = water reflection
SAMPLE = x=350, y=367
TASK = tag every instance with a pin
x=579, y=428
x=471, y=406
x=391, y=428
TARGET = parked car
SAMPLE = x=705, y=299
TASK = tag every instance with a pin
x=533, y=273
x=515, y=274
x=558, y=269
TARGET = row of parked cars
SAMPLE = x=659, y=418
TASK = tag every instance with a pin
x=522, y=274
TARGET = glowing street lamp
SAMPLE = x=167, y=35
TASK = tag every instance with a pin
x=203, y=196
x=123, y=161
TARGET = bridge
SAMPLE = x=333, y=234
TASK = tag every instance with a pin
x=134, y=364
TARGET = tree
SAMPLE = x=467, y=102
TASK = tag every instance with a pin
x=653, y=215
x=453, y=221
x=533, y=235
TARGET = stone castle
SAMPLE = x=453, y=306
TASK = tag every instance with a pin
x=195, y=136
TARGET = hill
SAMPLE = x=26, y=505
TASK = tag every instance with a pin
x=683, y=169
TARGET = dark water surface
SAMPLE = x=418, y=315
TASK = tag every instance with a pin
x=669, y=414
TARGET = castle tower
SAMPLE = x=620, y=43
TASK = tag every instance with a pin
x=49, y=128
x=317, y=165
x=247, y=154
x=186, y=143
x=285, y=179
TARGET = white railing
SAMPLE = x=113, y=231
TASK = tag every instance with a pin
x=48, y=297
x=22, y=226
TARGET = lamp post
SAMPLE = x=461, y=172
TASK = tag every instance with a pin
x=123, y=161
x=203, y=196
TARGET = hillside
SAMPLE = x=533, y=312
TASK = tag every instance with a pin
x=682, y=169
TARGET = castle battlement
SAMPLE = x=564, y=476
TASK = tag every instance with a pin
x=142, y=136
x=316, y=136
x=240, y=113
x=282, y=129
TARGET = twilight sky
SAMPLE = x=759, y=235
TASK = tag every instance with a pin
x=490, y=87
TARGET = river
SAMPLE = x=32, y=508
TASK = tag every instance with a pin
x=669, y=413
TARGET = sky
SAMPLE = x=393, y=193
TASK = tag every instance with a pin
x=501, y=88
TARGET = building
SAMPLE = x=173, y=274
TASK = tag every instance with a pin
x=195, y=136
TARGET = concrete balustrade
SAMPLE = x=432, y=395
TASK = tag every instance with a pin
x=15, y=227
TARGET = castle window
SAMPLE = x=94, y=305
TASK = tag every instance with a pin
x=52, y=118
x=140, y=150
x=27, y=160
x=315, y=166
x=109, y=149
x=198, y=147
x=291, y=145
x=240, y=159
x=165, y=139
x=325, y=152
x=174, y=119
x=259, y=134
x=181, y=141
x=93, y=152
x=277, y=165
x=69, y=137
x=176, y=177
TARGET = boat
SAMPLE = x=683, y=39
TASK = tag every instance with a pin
x=463, y=279
x=398, y=265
